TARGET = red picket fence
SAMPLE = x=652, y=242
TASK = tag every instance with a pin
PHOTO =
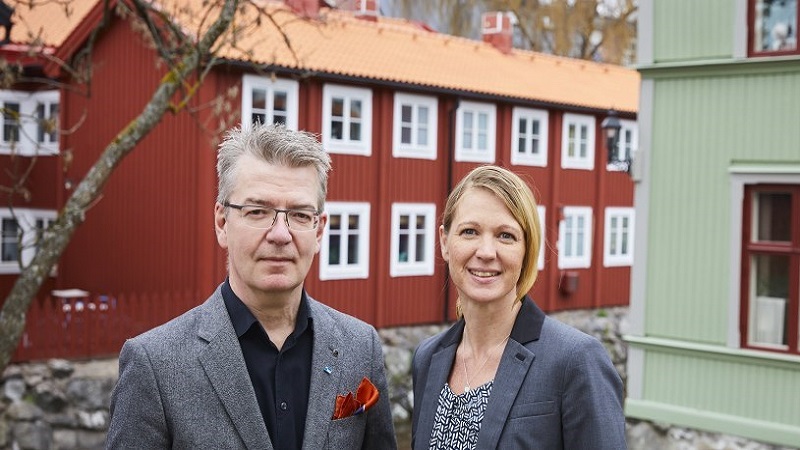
x=96, y=325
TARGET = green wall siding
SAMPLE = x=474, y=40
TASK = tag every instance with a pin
x=702, y=125
x=692, y=29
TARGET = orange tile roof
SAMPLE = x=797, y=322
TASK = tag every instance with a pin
x=47, y=22
x=397, y=50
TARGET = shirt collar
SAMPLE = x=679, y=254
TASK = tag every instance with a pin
x=242, y=319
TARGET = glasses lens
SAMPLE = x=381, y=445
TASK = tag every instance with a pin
x=264, y=218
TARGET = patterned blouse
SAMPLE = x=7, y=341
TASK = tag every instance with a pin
x=458, y=418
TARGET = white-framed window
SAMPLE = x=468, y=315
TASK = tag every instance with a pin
x=577, y=142
x=268, y=100
x=627, y=143
x=30, y=122
x=529, y=137
x=19, y=235
x=618, y=239
x=575, y=238
x=413, y=228
x=475, y=132
x=415, y=126
x=347, y=120
x=344, y=253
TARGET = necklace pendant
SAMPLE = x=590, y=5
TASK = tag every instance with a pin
x=466, y=388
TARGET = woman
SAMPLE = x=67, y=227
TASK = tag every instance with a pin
x=506, y=375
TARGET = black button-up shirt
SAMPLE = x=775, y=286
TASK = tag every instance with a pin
x=282, y=378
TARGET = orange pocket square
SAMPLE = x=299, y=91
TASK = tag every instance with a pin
x=352, y=405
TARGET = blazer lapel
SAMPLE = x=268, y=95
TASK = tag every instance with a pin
x=225, y=368
x=326, y=371
x=441, y=362
x=513, y=368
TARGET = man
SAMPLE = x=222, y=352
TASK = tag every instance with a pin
x=260, y=364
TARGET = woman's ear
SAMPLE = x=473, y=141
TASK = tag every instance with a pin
x=443, y=244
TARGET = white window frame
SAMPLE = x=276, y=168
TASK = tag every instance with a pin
x=530, y=116
x=619, y=259
x=541, y=210
x=412, y=267
x=624, y=147
x=415, y=149
x=347, y=146
x=466, y=151
x=577, y=162
x=575, y=261
x=28, y=144
x=271, y=86
x=360, y=270
x=26, y=221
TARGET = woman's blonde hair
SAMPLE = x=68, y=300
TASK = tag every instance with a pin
x=518, y=198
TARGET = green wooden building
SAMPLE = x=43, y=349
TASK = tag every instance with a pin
x=715, y=292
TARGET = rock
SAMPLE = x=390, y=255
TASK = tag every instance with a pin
x=32, y=436
x=49, y=396
x=60, y=368
x=14, y=388
x=24, y=412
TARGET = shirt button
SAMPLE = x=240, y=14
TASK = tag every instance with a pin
x=284, y=406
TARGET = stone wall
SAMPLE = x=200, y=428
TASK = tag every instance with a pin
x=64, y=404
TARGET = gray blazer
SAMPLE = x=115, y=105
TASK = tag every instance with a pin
x=185, y=385
x=555, y=388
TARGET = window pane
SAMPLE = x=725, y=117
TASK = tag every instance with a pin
x=770, y=279
x=405, y=113
x=335, y=221
x=422, y=136
x=258, y=118
x=402, y=248
x=334, y=246
x=337, y=107
x=405, y=135
x=420, y=247
x=280, y=101
x=352, y=222
x=355, y=109
x=423, y=115
x=523, y=126
x=10, y=249
x=11, y=122
x=355, y=131
x=352, y=249
x=775, y=25
x=337, y=128
x=772, y=216
x=404, y=220
x=259, y=99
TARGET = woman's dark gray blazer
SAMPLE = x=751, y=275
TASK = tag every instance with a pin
x=555, y=388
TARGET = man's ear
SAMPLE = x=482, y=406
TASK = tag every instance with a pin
x=221, y=225
x=323, y=220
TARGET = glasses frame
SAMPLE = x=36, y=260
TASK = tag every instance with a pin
x=285, y=212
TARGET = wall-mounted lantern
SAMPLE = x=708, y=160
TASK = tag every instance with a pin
x=611, y=128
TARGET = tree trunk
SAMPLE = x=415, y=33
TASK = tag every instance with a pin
x=57, y=236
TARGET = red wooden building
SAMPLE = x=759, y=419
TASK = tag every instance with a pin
x=405, y=113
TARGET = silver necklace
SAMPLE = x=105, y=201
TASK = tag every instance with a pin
x=488, y=355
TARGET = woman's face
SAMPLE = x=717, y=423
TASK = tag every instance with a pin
x=484, y=248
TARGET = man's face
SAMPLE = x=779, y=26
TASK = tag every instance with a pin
x=272, y=262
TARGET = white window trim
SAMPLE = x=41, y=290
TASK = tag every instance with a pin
x=26, y=219
x=529, y=159
x=347, y=147
x=473, y=155
x=541, y=210
x=413, y=268
x=414, y=150
x=586, y=163
x=291, y=87
x=576, y=262
x=625, y=125
x=28, y=129
x=357, y=271
x=610, y=260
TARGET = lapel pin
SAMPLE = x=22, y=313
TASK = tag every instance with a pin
x=327, y=370
x=336, y=352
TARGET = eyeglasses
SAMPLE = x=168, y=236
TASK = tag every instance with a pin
x=264, y=218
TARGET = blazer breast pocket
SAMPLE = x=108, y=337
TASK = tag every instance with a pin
x=532, y=409
x=347, y=432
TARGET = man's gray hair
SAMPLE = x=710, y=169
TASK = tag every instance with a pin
x=273, y=144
